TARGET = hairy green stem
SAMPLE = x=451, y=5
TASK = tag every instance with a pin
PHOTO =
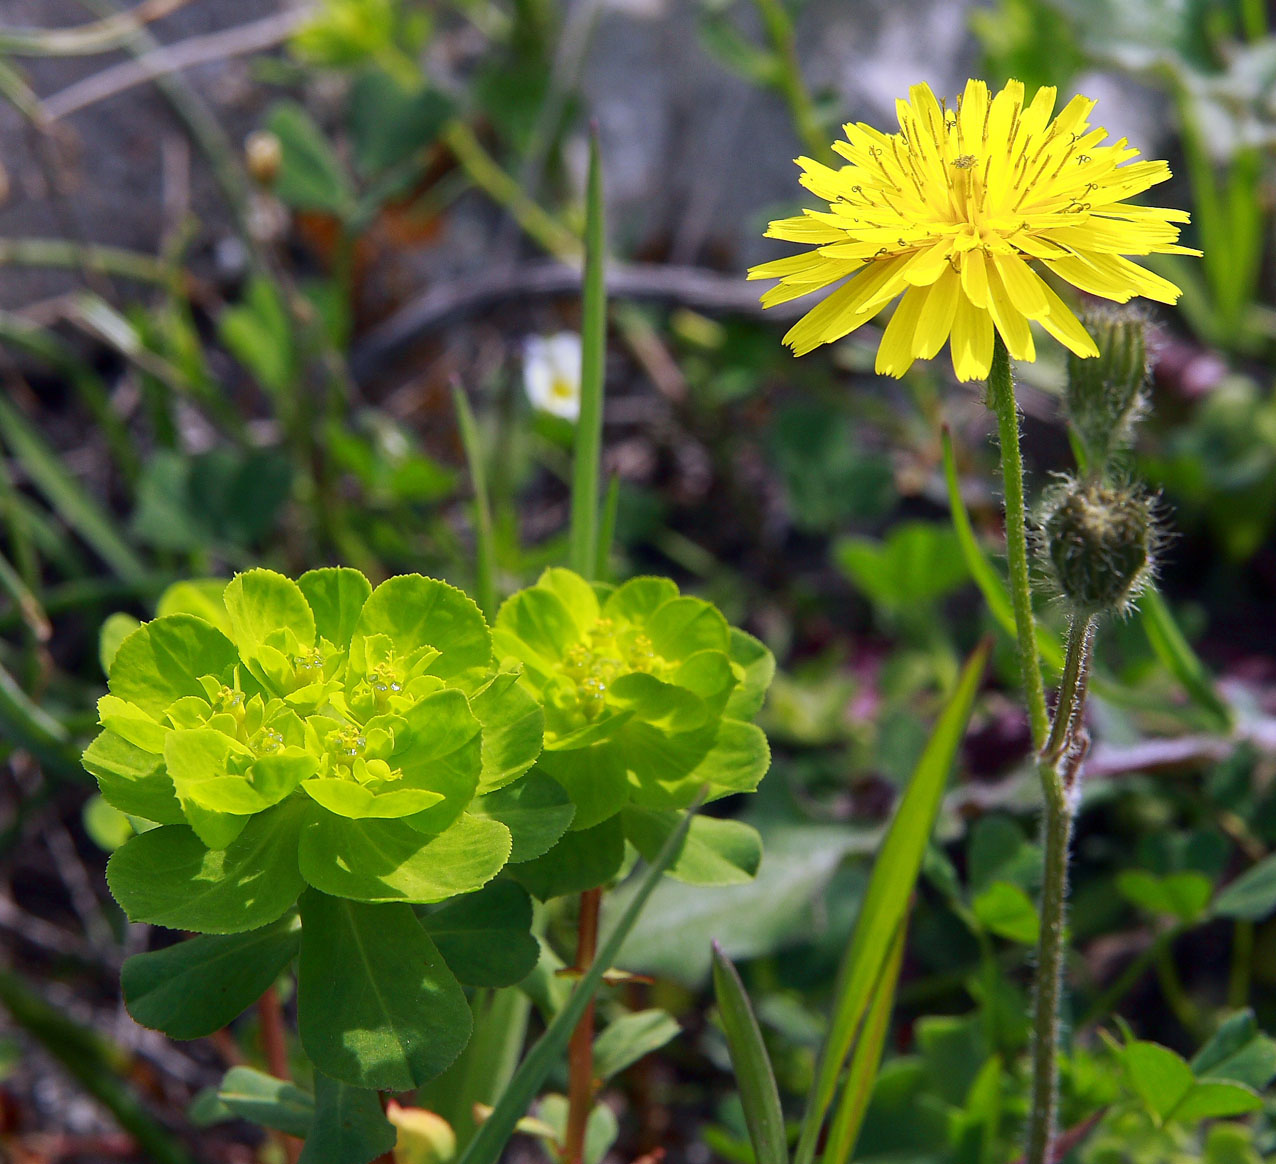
x=1059, y=764
x=1001, y=398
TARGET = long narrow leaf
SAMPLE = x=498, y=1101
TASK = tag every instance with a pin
x=857, y=1088
x=487, y=1146
x=593, y=338
x=65, y=494
x=485, y=553
x=990, y=583
x=886, y=900
x=753, y=1074
x=1180, y=660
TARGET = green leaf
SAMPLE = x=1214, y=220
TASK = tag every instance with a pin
x=886, y=901
x=162, y=661
x=998, y=850
x=536, y=810
x=336, y=595
x=535, y=628
x=782, y=907
x=261, y=604
x=349, y=1126
x=196, y=987
x=1007, y=911
x=1215, y=1099
x=487, y=1145
x=377, y=1006
x=107, y=827
x=668, y=771
x=601, y=1128
x=595, y=778
x=918, y=564
x=311, y=177
x=1252, y=896
x=581, y=860
x=485, y=937
x=115, y=630
x=168, y=878
x=754, y=1076
x=442, y=751
x=1160, y=1077
x=715, y=852
x=202, y=597
x=639, y=598
x=388, y=860
x=414, y=611
x=269, y=1102
x=758, y=665
x=630, y=1038
x=1238, y=1051
x=390, y=125
x=132, y=780
x=259, y=335
x=1184, y=896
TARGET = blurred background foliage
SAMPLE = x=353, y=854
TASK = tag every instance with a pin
x=353, y=206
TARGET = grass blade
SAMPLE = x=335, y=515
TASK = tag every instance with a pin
x=886, y=901
x=754, y=1077
x=1180, y=660
x=65, y=494
x=486, y=1147
x=990, y=583
x=857, y=1088
x=485, y=550
x=593, y=339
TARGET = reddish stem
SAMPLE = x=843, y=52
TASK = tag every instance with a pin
x=580, y=1054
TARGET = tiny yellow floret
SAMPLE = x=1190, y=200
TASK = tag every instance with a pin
x=956, y=212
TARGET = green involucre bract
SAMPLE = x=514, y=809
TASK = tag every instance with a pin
x=383, y=710
x=647, y=693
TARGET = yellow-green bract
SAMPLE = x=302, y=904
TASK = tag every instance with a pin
x=647, y=693
x=316, y=731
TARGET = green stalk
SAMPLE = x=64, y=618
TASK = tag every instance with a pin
x=1001, y=398
x=484, y=549
x=584, y=560
x=789, y=80
x=1059, y=754
x=589, y=428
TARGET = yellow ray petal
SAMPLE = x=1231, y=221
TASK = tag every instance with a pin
x=936, y=319
x=1066, y=327
x=971, y=341
x=1024, y=285
x=974, y=277
x=1009, y=320
x=896, y=352
x=840, y=313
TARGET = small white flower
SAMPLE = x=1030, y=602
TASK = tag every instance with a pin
x=551, y=373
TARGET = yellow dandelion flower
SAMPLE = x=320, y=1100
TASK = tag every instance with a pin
x=956, y=212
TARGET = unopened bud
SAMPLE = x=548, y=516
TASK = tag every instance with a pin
x=264, y=154
x=1098, y=544
x=1104, y=396
x=423, y=1137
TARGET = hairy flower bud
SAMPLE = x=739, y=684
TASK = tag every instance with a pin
x=1104, y=397
x=1098, y=544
